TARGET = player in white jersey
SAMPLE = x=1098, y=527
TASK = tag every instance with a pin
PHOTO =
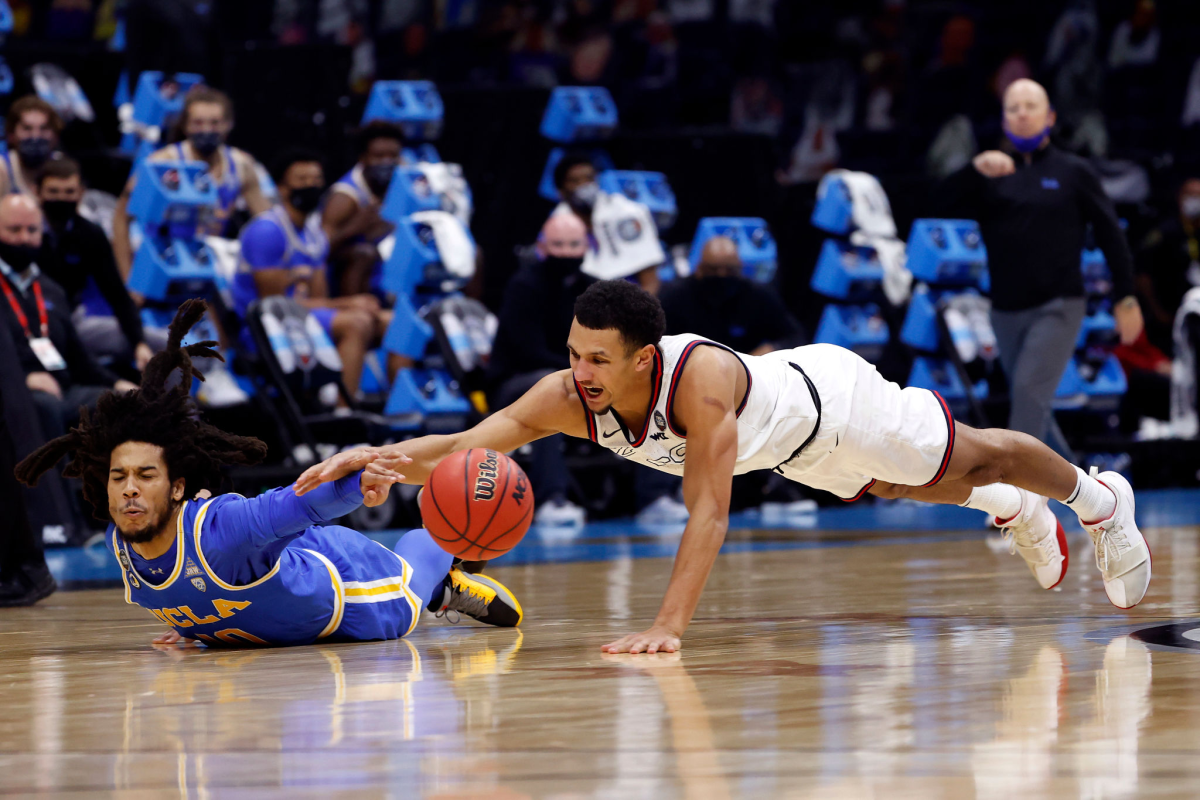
x=819, y=415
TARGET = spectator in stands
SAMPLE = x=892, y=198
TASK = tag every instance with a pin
x=32, y=127
x=206, y=120
x=58, y=369
x=1168, y=265
x=535, y=318
x=1033, y=211
x=284, y=251
x=622, y=237
x=24, y=577
x=717, y=302
x=351, y=215
x=76, y=253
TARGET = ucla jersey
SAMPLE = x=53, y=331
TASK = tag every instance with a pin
x=354, y=184
x=329, y=583
x=776, y=420
x=306, y=251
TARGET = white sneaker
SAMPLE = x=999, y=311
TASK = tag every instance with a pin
x=1038, y=536
x=1122, y=555
x=666, y=510
x=220, y=390
x=560, y=513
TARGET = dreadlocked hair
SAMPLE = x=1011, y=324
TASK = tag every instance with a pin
x=157, y=414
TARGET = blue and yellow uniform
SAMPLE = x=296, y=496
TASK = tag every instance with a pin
x=271, y=241
x=263, y=570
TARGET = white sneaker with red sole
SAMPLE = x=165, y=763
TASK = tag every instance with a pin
x=1038, y=536
x=1122, y=555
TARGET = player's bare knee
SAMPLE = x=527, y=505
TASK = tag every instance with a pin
x=889, y=491
x=993, y=456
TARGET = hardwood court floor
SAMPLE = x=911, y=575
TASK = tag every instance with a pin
x=932, y=669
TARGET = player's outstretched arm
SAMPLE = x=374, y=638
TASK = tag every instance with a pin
x=706, y=407
x=550, y=407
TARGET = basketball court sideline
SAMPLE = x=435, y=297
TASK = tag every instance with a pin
x=871, y=651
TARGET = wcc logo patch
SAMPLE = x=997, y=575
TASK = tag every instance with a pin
x=485, y=476
x=660, y=420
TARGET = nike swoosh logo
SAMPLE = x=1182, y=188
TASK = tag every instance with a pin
x=609, y=435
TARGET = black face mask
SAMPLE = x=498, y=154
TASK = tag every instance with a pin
x=59, y=211
x=34, y=152
x=563, y=267
x=719, y=290
x=205, y=143
x=306, y=198
x=378, y=177
x=18, y=256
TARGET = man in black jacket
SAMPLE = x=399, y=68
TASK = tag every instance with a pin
x=58, y=370
x=531, y=342
x=24, y=577
x=1033, y=211
x=76, y=250
x=721, y=304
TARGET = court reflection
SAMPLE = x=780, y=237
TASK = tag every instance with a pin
x=1107, y=753
x=257, y=718
x=697, y=762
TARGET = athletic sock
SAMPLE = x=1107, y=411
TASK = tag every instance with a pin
x=1091, y=500
x=998, y=499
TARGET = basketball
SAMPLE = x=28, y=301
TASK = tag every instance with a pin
x=477, y=504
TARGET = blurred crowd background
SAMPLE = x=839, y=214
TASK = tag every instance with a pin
x=744, y=106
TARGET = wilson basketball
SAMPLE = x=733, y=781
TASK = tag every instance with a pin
x=477, y=504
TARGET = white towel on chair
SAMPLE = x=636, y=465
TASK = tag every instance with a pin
x=875, y=227
x=448, y=183
x=453, y=244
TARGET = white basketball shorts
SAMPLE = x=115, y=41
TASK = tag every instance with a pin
x=871, y=429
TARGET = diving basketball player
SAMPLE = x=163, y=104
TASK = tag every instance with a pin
x=268, y=570
x=820, y=415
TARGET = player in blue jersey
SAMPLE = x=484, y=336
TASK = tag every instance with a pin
x=284, y=252
x=228, y=570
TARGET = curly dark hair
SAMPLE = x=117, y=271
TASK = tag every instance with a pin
x=622, y=306
x=376, y=129
x=156, y=414
x=568, y=162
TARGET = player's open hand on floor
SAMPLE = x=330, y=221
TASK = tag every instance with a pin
x=656, y=640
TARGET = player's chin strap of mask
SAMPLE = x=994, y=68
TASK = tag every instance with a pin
x=816, y=398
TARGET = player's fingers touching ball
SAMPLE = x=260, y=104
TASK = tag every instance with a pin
x=477, y=504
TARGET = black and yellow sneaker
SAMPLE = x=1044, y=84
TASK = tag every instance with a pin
x=479, y=597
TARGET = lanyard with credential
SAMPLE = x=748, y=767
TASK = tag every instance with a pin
x=20, y=312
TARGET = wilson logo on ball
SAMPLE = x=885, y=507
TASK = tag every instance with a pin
x=518, y=494
x=485, y=479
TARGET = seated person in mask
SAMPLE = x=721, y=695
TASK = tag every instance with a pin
x=58, y=370
x=718, y=303
x=32, y=127
x=351, y=214
x=622, y=237
x=206, y=121
x=76, y=251
x=284, y=251
x=535, y=318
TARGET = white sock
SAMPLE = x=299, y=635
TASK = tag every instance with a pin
x=1091, y=500
x=998, y=499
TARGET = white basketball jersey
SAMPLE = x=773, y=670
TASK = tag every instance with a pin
x=778, y=417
